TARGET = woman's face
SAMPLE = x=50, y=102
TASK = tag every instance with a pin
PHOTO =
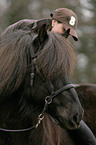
x=57, y=27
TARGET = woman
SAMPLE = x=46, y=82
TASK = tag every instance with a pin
x=64, y=19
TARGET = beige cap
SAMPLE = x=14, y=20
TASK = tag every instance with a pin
x=68, y=18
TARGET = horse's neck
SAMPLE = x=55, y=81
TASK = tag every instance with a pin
x=50, y=134
x=47, y=133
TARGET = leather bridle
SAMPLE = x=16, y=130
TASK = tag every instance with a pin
x=48, y=99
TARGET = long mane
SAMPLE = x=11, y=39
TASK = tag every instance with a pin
x=14, y=59
x=57, y=56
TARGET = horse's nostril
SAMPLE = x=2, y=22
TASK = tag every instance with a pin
x=76, y=118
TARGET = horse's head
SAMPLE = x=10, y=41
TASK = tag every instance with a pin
x=55, y=60
x=51, y=69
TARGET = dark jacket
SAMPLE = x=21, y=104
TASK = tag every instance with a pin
x=28, y=24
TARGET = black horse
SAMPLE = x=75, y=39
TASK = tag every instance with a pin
x=31, y=68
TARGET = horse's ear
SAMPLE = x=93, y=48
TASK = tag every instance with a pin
x=42, y=34
x=67, y=33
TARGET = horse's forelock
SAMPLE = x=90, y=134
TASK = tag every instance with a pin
x=57, y=57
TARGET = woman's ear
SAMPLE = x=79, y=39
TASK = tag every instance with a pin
x=53, y=22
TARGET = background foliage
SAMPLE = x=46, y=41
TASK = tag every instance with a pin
x=12, y=11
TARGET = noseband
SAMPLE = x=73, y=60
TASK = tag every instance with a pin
x=48, y=99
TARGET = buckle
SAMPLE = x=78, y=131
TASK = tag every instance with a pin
x=48, y=100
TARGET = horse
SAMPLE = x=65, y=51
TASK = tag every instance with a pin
x=87, y=97
x=38, y=103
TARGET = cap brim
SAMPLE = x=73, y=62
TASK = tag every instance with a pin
x=72, y=32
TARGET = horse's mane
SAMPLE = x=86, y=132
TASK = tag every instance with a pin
x=56, y=57
x=14, y=57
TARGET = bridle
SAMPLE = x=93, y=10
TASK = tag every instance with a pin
x=48, y=99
